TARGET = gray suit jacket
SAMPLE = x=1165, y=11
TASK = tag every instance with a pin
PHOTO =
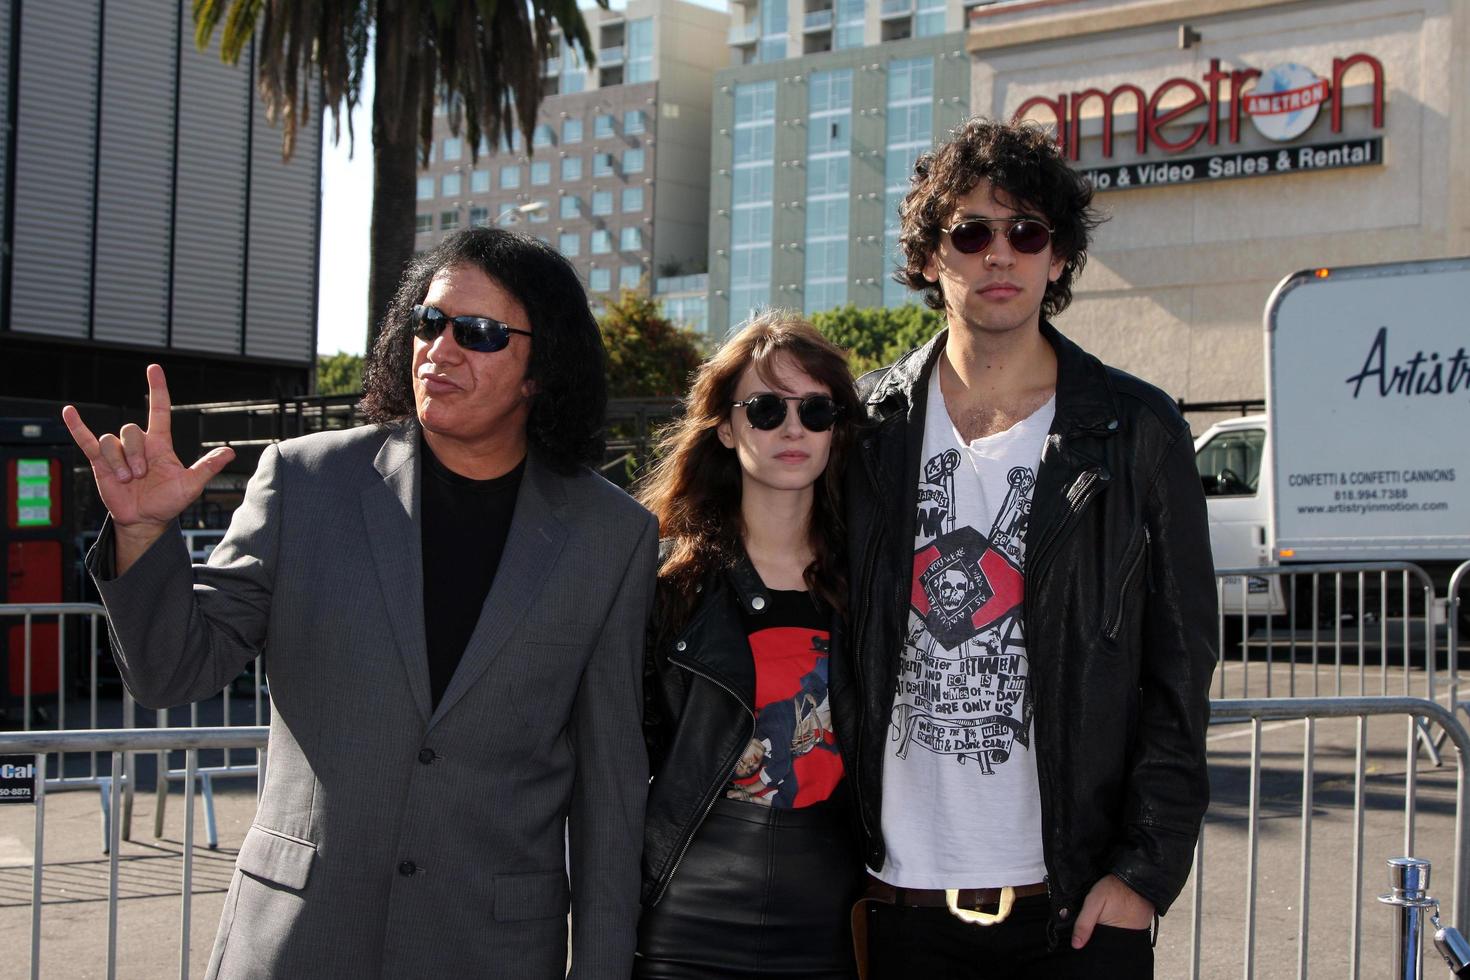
x=393, y=840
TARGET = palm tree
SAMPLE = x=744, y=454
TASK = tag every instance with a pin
x=480, y=57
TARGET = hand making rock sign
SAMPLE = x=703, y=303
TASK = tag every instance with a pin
x=139, y=477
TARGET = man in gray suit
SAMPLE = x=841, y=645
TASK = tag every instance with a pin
x=451, y=606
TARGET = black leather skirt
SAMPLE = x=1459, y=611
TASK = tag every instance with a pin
x=760, y=892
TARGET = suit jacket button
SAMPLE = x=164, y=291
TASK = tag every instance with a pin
x=758, y=603
x=427, y=756
x=1062, y=913
x=680, y=645
x=407, y=869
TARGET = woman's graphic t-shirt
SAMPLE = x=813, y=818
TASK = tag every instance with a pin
x=792, y=759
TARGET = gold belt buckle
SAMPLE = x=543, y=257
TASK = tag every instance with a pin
x=977, y=918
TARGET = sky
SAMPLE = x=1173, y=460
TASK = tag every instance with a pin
x=347, y=196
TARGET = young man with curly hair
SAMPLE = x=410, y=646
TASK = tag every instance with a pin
x=1033, y=602
x=452, y=609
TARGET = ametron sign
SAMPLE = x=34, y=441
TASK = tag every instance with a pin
x=1282, y=103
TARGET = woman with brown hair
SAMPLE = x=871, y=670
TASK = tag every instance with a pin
x=750, y=861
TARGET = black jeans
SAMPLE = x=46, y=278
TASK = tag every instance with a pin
x=905, y=942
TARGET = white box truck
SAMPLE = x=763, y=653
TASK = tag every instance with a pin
x=1363, y=454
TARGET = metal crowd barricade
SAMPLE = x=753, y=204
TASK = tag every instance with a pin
x=92, y=630
x=1456, y=603
x=120, y=743
x=1309, y=711
x=1323, y=642
x=93, y=650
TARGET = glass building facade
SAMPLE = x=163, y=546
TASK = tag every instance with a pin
x=751, y=203
x=828, y=178
x=811, y=158
x=910, y=125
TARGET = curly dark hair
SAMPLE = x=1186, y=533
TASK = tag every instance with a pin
x=694, y=489
x=568, y=360
x=1018, y=158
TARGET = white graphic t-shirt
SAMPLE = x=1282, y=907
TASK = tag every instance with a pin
x=961, y=804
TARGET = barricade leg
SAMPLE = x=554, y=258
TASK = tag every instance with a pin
x=211, y=827
x=104, y=787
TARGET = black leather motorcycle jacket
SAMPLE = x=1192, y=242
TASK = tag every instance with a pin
x=699, y=715
x=1119, y=613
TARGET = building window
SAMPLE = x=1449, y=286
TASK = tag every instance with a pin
x=479, y=217
x=448, y=220
x=630, y=276
x=569, y=243
x=539, y=216
x=510, y=177
x=632, y=199
x=571, y=206
x=425, y=190
x=829, y=143
x=850, y=21
x=453, y=147
x=773, y=26
x=571, y=168
x=930, y=19
x=541, y=172
x=634, y=121
x=479, y=182
x=423, y=223
x=600, y=242
x=601, y=280
x=638, y=64
x=602, y=125
x=573, y=70
x=543, y=135
x=602, y=165
x=751, y=204
x=633, y=160
x=449, y=185
x=910, y=114
x=631, y=239
x=571, y=131
x=602, y=202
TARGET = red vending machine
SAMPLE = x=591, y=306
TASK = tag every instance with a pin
x=36, y=545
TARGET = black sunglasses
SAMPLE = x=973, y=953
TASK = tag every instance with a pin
x=766, y=411
x=476, y=333
x=1026, y=235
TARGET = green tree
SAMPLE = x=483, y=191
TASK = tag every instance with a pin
x=648, y=355
x=338, y=374
x=482, y=58
x=877, y=336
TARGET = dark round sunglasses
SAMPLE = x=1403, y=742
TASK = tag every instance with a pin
x=476, y=333
x=766, y=411
x=1026, y=235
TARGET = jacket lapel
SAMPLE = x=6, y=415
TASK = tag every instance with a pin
x=537, y=534
x=391, y=508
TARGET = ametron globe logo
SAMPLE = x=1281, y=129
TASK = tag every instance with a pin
x=1285, y=101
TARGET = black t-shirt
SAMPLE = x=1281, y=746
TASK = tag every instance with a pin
x=465, y=524
x=792, y=760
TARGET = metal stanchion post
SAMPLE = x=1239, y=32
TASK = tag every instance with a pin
x=1409, y=878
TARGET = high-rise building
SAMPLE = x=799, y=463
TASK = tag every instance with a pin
x=815, y=135
x=147, y=213
x=617, y=174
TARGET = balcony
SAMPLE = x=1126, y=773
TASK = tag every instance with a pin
x=817, y=20
x=745, y=33
x=610, y=57
x=895, y=8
